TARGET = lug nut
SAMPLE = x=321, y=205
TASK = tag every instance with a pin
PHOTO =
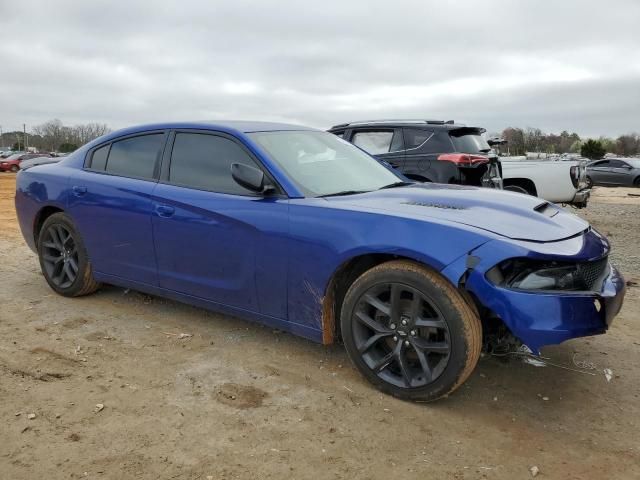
x=395, y=339
x=406, y=343
x=392, y=326
x=413, y=333
x=404, y=322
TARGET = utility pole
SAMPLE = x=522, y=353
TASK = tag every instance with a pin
x=24, y=136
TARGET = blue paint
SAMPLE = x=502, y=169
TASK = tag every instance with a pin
x=271, y=259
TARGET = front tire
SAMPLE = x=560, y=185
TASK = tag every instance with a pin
x=589, y=182
x=14, y=168
x=409, y=331
x=63, y=258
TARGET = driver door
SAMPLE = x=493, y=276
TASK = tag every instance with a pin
x=214, y=239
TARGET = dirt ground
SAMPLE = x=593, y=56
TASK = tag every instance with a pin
x=237, y=400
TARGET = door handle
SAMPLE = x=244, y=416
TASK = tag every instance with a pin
x=79, y=191
x=164, y=210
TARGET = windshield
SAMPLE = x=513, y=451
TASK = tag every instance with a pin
x=469, y=141
x=634, y=162
x=319, y=163
x=14, y=156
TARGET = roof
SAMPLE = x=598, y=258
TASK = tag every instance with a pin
x=236, y=125
x=401, y=122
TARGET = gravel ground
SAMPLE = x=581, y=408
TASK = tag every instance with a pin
x=104, y=387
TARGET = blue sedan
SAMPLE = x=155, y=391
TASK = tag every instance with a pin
x=302, y=231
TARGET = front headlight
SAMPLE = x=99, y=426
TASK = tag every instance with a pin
x=524, y=274
x=552, y=278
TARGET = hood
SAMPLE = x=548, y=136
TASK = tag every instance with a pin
x=512, y=215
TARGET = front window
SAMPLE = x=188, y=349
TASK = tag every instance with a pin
x=320, y=163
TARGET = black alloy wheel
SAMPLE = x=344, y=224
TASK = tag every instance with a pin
x=409, y=331
x=401, y=335
x=60, y=256
x=63, y=257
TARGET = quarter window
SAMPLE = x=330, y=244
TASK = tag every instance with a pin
x=376, y=142
x=414, y=137
x=204, y=162
x=439, y=142
x=99, y=158
x=135, y=157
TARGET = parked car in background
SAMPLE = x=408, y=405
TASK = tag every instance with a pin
x=558, y=182
x=299, y=230
x=427, y=150
x=624, y=172
x=8, y=153
x=34, y=162
x=12, y=163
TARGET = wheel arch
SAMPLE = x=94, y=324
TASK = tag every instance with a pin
x=340, y=281
x=42, y=214
x=526, y=183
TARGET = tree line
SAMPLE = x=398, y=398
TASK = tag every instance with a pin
x=54, y=136
x=522, y=140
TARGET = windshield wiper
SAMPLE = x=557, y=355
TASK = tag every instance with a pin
x=344, y=192
x=396, y=184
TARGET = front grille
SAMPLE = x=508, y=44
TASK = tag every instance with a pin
x=592, y=272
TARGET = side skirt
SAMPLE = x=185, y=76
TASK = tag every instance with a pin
x=291, y=327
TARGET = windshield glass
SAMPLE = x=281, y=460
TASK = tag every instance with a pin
x=319, y=163
x=634, y=162
x=469, y=141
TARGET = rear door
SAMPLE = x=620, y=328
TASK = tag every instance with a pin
x=111, y=205
x=385, y=144
x=215, y=239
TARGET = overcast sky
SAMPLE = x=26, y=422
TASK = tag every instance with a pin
x=555, y=65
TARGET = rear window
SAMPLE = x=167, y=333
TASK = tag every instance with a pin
x=135, y=157
x=469, y=141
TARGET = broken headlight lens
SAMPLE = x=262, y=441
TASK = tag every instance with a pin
x=551, y=278
x=524, y=274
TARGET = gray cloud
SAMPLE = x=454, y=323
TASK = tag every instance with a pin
x=555, y=65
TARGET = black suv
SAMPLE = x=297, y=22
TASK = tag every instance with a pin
x=428, y=150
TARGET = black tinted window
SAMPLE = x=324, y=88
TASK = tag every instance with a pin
x=414, y=137
x=604, y=163
x=135, y=157
x=204, y=161
x=439, y=142
x=99, y=158
x=618, y=164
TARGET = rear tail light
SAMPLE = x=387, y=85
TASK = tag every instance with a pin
x=463, y=159
x=575, y=175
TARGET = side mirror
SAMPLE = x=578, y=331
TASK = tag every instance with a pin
x=249, y=177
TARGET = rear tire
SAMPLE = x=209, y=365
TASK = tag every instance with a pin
x=409, y=331
x=63, y=258
x=14, y=168
x=636, y=182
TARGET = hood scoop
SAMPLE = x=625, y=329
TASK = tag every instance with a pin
x=547, y=209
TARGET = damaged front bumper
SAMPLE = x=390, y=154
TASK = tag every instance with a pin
x=544, y=317
x=581, y=198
